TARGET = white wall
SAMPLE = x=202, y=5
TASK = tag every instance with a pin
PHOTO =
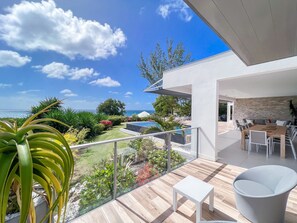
x=203, y=76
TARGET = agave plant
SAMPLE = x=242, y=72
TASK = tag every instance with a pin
x=34, y=153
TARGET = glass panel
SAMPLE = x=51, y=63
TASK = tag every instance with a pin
x=139, y=161
x=93, y=178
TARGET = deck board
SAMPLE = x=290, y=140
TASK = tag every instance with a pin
x=153, y=201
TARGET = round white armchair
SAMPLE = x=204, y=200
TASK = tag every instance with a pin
x=262, y=192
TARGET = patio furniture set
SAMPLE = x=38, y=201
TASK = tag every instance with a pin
x=261, y=193
x=267, y=136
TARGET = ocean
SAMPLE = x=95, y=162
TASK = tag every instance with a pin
x=6, y=113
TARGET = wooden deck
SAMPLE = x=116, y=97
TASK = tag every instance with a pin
x=153, y=202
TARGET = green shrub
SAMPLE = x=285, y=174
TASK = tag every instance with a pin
x=98, y=187
x=158, y=158
x=135, y=118
x=45, y=103
x=20, y=121
x=101, y=116
x=148, y=118
x=58, y=115
x=99, y=128
x=116, y=119
x=87, y=120
x=107, y=124
x=142, y=146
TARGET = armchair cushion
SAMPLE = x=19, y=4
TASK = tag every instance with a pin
x=252, y=188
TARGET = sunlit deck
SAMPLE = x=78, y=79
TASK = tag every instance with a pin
x=153, y=202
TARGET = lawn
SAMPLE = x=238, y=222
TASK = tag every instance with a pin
x=88, y=157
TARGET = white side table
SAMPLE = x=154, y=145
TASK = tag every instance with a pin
x=195, y=190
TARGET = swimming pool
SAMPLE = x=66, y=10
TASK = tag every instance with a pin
x=178, y=137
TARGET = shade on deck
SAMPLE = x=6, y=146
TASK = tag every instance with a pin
x=153, y=201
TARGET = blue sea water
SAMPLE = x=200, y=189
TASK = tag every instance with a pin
x=6, y=113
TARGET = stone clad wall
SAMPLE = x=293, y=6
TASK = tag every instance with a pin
x=276, y=108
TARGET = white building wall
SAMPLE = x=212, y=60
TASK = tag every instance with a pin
x=203, y=76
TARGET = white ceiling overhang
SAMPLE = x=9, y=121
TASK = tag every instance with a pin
x=257, y=30
x=277, y=84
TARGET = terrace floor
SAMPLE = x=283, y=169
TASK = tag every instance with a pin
x=153, y=201
x=229, y=151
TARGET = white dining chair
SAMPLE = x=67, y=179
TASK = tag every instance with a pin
x=259, y=138
x=289, y=142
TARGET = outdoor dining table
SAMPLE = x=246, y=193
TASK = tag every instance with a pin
x=273, y=131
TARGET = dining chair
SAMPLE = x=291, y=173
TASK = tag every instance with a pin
x=239, y=126
x=289, y=142
x=259, y=138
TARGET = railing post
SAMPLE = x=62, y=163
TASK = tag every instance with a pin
x=197, y=142
x=115, y=163
x=168, y=152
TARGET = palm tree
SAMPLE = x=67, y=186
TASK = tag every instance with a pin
x=163, y=126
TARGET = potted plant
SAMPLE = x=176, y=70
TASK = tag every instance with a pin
x=293, y=112
x=31, y=154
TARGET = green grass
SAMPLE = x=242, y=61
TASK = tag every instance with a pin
x=87, y=158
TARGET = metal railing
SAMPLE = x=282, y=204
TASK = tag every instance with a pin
x=159, y=137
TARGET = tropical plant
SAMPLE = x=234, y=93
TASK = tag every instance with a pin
x=135, y=117
x=146, y=173
x=164, y=124
x=55, y=103
x=158, y=159
x=99, y=128
x=142, y=147
x=101, y=116
x=116, y=119
x=112, y=107
x=106, y=123
x=87, y=120
x=293, y=111
x=30, y=155
x=98, y=186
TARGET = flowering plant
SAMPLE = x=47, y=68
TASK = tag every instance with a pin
x=106, y=123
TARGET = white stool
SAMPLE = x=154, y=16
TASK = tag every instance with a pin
x=195, y=190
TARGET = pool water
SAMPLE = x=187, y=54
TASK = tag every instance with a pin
x=148, y=124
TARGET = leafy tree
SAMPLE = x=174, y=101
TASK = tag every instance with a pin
x=152, y=69
x=165, y=105
x=111, y=107
x=184, y=107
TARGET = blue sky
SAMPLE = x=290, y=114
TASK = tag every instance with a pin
x=85, y=51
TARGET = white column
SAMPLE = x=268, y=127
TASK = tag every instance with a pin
x=205, y=116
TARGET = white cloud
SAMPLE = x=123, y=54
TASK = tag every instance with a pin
x=28, y=91
x=53, y=29
x=13, y=59
x=141, y=10
x=2, y=85
x=128, y=94
x=106, y=82
x=62, y=71
x=175, y=6
x=113, y=92
x=68, y=93
x=20, y=84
